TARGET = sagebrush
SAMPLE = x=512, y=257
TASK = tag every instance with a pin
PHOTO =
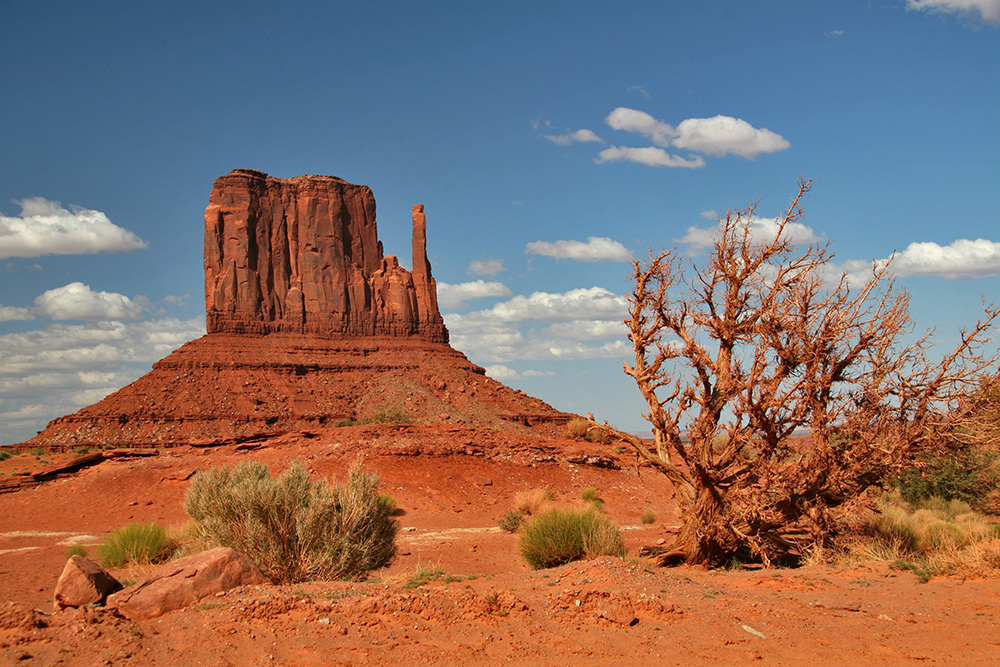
x=293, y=528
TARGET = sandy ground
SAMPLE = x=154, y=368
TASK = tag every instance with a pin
x=482, y=605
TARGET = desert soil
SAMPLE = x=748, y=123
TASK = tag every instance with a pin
x=481, y=604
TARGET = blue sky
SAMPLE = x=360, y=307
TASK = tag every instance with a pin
x=550, y=142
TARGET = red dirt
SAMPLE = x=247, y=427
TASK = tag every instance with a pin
x=452, y=485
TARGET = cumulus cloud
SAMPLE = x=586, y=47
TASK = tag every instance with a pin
x=46, y=228
x=988, y=10
x=53, y=371
x=633, y=120
x=596, y=248
x=716, y=136
x=720, y=135
x=593, y=303
x=14, y=314
x=486, y=267
x=651, y=156
x=575, y=324
x=455, y=296
x=77, y=301
x=580, y=136
x=587, y=330
x=763, y=229
x=961, y=258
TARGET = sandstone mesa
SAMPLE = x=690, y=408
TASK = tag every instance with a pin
x=309, y=323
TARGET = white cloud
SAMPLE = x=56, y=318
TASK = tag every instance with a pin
x=580, y=136
x=501, y=372
x=720, y=135
x=593, y=303
x=502, y=334
x=455, y=296
x=959, y=259
x=633, y=120
x=763, y=229
x=988, y=10
x=53, y=371
x=77, y=301
x=650, y=156
x=486, y=267
x=596, y=248
x=46, y=228
x=587, y=330
x=14, y=314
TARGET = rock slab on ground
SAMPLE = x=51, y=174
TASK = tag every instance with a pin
x=83, y=582
x=183, y=582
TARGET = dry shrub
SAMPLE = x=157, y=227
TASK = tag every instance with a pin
x=295, y=529
x=533, y=502
x=563, y=535
x=579, y=428
x=931, y=537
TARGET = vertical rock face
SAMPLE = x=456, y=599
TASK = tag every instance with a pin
x=302, y=255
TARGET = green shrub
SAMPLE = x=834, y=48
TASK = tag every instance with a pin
x=5, y=453
x=967, y=473
x=511, y=521
x=388, y=503
x=295, y=529
x=647, y=517
x=565, y=535
x=135, y=544
x=592, y=496
x=76, y=550
x=38, y=451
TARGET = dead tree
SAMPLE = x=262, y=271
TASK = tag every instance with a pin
x=777, y=393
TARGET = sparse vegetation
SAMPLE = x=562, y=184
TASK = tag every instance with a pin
x=511, y=521
x=389, y=413
x=648, y=517
x=135, y=544
x=530, y=503
x=563, y=535
x=6, y=453
x=76, y=550
x=738, y=353
x=424, y=574
x=579, y=428
x=38, y=451
x=295, y=529
x=592, y=496
x=930, y=537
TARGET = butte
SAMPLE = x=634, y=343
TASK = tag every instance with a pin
x=309, y=326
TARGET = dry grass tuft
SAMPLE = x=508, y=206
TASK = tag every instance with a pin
x=534, y=502
x=930, y=537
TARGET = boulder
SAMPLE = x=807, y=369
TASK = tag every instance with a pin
x=183, y=582
x=83, y=582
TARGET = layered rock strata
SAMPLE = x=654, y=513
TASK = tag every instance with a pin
x=302, y=255
x=234, y=387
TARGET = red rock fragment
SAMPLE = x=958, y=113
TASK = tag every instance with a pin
x=83, y=582
x=183, y=582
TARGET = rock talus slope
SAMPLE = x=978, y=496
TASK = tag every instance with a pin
x=309, y=324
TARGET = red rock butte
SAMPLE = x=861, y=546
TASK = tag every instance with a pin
x=309, y=325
